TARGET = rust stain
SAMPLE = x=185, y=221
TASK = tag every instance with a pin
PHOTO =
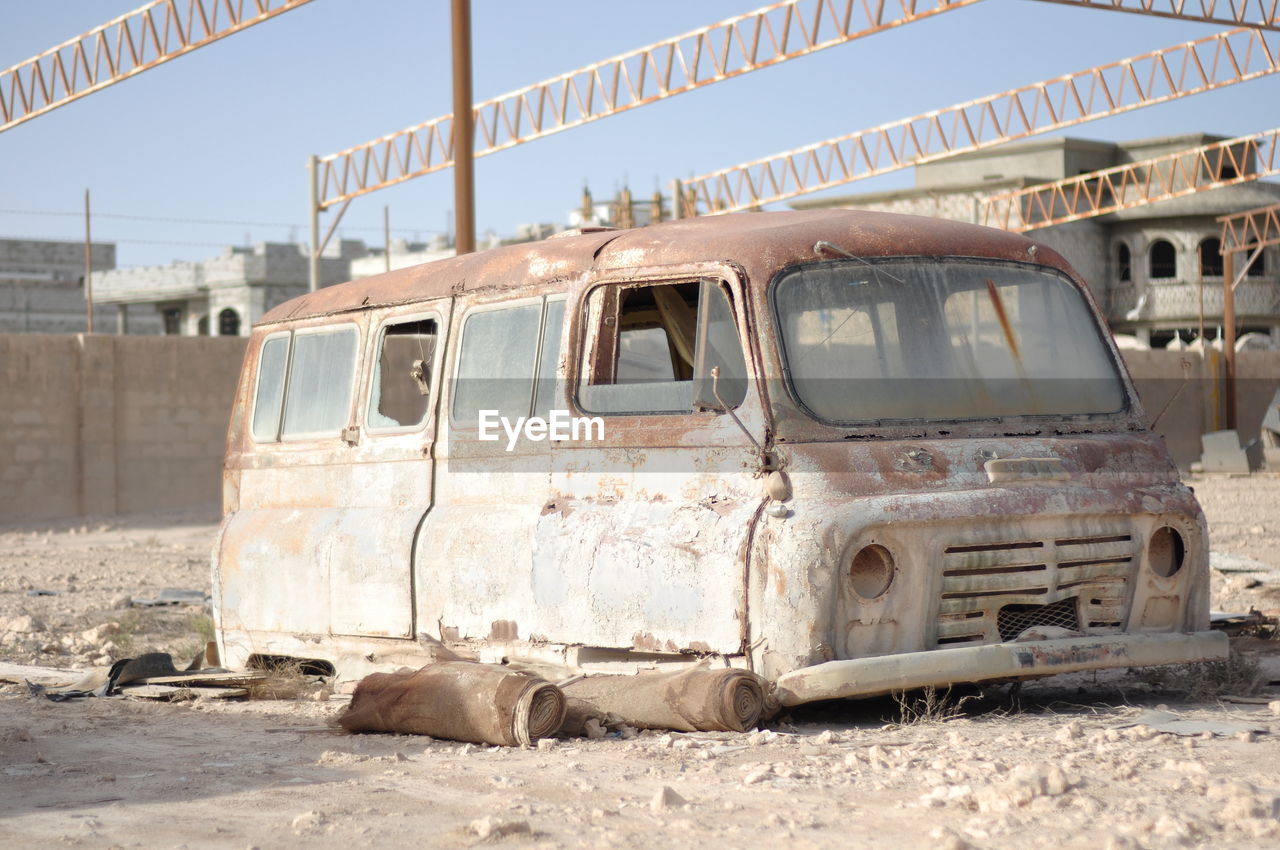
x=998, y=304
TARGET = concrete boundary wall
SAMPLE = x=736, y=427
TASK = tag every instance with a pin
x=1194, y=394
x=100, y=425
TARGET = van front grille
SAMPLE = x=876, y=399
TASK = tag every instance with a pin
x=996, y=590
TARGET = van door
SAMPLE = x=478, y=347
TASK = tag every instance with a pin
x=371, y=545
x=643, y=543
x=336, y=482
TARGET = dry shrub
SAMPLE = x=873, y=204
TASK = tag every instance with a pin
x=289, y=679
x=929, y=705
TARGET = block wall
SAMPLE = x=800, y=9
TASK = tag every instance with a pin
x=98, y=425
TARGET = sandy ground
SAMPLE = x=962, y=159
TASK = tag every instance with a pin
x=1059, y=765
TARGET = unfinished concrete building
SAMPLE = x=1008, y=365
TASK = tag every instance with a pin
x=221, y=296
x=42, y=285
x=1148, y=266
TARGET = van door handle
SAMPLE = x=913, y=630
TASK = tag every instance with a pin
x=351, y=435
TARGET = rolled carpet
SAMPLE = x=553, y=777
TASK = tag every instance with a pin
x=458, y=701
x=696, y=699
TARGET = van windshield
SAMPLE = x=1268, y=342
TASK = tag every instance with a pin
x=941, y=339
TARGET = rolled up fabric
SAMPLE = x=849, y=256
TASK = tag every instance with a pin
x=696, y=699
x=458, y=701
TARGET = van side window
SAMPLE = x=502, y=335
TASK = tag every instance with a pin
x=549, y=357
x=318, y=395
x=496, y=363
x=266, y=405
x=508, y=361
x=400, y=391
x=655, y=347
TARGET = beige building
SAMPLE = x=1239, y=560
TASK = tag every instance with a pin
x=1147, y=266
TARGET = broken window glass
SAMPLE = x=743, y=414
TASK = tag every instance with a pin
x=318, y=396
x=941, y=340
x=400, y=389
x=656, y=346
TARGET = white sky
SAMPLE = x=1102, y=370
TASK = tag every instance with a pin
x=224, y=133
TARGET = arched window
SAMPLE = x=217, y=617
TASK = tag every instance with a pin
x=1259, y=266
x=228, y=323
x=1163, y=260
x=1124, y=262
x=1211, y=258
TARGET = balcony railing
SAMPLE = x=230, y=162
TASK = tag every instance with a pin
x=1169, y=300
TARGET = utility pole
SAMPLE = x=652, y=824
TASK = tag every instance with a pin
x=386, y=234
x=88, y=267
x=464, y=183
x=313, y=256
x=1229, y=334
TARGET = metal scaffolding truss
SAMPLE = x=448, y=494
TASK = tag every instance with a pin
x=724, y=50
x=1251, y=230
x=1239, y=13
x=122, y=47
x=1163, y=75
x=1135, y=184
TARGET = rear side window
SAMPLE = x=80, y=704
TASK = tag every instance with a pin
x=304, y=384
x=318, y=396
x=266, y=405
x=401, y=387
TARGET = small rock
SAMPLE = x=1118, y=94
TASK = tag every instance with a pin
x=308, y=822
x=760, y=774
x=98, y=634
x=122, y=602
x=948, y=839
x=24, y=624
x=665, y=799
x=491, y=827
x=547, y=744
x=1274, y=707
x=1069, y=732
x=826, y=738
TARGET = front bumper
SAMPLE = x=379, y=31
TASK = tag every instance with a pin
x=867, y=677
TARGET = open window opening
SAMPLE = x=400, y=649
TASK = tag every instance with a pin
x=400, y=391
x=664, y=348
x=1211, y=258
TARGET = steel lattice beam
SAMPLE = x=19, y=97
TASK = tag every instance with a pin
x=121, y=48
x=728, y=49
x=1250, y=230
x=1162, y=75
x=1262, y=14
x=1135, y=184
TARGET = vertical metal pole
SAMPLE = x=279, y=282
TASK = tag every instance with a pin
x=464, y=184
x=1229, y=336
x=88, y=267
x=313, y=254
x=677, y=208
x=386, y=234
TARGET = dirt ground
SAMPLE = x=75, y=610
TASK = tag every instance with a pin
x=1071, y=762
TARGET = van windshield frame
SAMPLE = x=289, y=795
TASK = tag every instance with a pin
x=942, y=339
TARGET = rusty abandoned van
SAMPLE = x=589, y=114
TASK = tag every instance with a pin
x=853, y=452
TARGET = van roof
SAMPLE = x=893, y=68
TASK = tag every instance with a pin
x=759, y=242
